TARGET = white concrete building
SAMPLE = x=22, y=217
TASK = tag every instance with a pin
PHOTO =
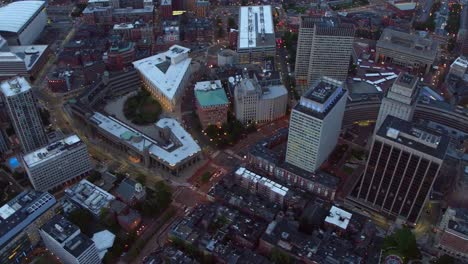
x=315, y=124
x=256, y=40
x=22, y=22
x=57, y=163
x=65, y=240
x=400, y=100
x=254, y=103
x=166, y=74
x=173, y=149
x=23, y=112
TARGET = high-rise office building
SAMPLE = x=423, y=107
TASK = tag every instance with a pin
x=324, y=49
x=57, y=163
x=66, y=241
x=316, y=124
x=23, y=112
x=402, y=166
x=400, y=100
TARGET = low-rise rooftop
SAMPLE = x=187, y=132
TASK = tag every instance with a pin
x=210, y=93
x=256, y=28
x=67, y=234
x=21, y=211
x=338, y=217
x=89, y=196
x=411, y=44
x=180, y=146
x=166, y=70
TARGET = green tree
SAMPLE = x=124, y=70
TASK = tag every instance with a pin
x=94, y=176
x=83, y=219
x=231, y=23
x=403, y=241
x=141, y=178
x=279, y=257
x=444, y=259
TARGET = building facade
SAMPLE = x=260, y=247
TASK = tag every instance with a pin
x=453, y=238
x=315, y=124
x=57, y=163
x=256, y=38
x=400, y=100
x=324, y=49
x=65, y=240
x=402, y=166
x=21, y=218
x=211, y=102
x=262, y=157
x=255, y=102
x=23, y=112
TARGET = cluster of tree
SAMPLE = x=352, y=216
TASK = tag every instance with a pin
x=229, y=133
x=78, y=10
x=290, y=41
x=453, y=21
x=220, y=29
x=83, y=219
x=142, y=109
x=429, y=24
x=121, y=244
x=403, y=244
x=279, y=257
x=157, y=200
x=231, y=23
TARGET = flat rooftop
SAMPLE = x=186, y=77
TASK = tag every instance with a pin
x=23, y=209
x=166, y=70
x=210, y=93
x=14, y=86
x=170, y=152
x=16, y=15
x=89, y=196
x=411, y=44
x=253, y=177
x=64, y=231
x=51, y=151
x=338, y=217
x=30, y=54
x=414, y=136
x=273, y=91
x=407, y=80
x=321, y=97
x=256, y=28
x=460, y=62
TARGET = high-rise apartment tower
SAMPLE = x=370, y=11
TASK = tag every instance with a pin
x=23, y=112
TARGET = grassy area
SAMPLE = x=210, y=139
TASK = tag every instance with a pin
x=142, y=109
